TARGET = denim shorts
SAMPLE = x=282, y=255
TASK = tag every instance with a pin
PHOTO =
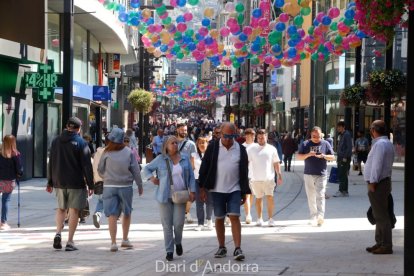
x=226, y=204
x=117, y=201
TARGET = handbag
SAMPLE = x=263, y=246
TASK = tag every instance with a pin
x=7, y=186
x=98, y=190
x=178, y=197
x=333, y=175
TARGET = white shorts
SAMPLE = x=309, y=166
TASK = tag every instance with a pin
x=262, y=188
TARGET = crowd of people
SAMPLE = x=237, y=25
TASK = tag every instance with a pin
x=217, y=165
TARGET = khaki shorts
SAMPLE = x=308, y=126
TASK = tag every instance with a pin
x=262, y=188
x=71, y=198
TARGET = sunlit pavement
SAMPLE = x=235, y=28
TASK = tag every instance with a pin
x=293, y=247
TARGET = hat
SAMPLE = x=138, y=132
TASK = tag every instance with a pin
x=116, y=136
x=74, y=122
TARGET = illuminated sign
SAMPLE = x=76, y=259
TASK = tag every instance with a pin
x=43, y=82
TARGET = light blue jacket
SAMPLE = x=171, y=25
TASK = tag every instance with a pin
x=162, y=193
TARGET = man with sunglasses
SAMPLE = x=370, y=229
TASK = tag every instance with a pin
x=224, y=172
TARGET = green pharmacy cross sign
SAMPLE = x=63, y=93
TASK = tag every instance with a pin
x=43, y=82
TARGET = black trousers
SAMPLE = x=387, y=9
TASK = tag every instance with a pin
x=379, y=203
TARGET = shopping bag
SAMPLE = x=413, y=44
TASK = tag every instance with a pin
x=333, y=175
x=355, y=166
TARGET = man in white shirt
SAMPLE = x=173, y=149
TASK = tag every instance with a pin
x=187, y=147
x=249, y=134
x=264, y=162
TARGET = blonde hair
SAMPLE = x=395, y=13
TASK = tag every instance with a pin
x=9, y=148
x=166, y=142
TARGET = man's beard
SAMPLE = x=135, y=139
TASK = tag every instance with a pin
x=182, y=135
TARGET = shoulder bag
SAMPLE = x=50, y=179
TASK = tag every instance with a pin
x=178, y=197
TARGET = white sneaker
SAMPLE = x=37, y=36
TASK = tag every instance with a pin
x=209, y=225
x=313, y=222
x=4, y=226
x=127, y=244
x=320, y=221
x=199, y=228
x=259, y=222
x=188, y=218
x=114, y=247
x=271, y=223
x=248, y=219
x=227, y=221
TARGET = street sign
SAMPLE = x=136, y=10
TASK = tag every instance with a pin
x=43, y=82
x=100, y=93
x=114, y=65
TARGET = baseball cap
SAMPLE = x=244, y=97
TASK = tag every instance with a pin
x=74, y=122
x=116, y=136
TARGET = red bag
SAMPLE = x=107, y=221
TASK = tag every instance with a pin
x=7, y=186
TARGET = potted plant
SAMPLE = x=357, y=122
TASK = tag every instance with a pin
x=385, y=84
x=141, y=100
x=352, y=95
x=247, y=109
x=379, y=18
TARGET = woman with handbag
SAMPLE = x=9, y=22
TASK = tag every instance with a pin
x=175, y=186
x=10, y=169
x=118, y=168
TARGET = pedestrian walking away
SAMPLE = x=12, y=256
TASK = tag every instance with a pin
x=344, y=156
x=377, y=174
x=289, y=147
x=265, y=165
x=174, y=173
x=224, y=172
x=10, y=170
x=70, y=174
x=118, y=168
x=316, y=152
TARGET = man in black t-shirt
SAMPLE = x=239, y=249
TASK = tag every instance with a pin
x=315, y=152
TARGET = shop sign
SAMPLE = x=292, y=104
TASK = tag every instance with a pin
x=43, y=82
x=114, y=65
x=100, y=93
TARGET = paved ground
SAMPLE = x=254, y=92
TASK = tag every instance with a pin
x=291, y=248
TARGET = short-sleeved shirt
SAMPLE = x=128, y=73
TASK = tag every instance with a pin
x=362, y=144
x=189, y=147
x=157, y=144
x=228, y=162
x=315, y=165
x=262, y=160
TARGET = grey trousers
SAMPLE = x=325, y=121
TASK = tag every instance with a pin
x=379, y=204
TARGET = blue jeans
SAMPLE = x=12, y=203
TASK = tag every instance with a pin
x=226, y=204
x=99, y=205
x=5, y=199
x=200, y=206
x=172, y=219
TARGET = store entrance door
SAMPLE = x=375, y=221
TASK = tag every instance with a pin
x=47, y=125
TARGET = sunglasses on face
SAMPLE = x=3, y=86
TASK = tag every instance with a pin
x=230, y=136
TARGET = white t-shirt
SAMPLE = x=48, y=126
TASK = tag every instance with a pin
x=228, y=176
x=247, y=146
x=177, y=176
x=197, y=163
x=262, y=159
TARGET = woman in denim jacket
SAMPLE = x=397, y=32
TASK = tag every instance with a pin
x=172, y=214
